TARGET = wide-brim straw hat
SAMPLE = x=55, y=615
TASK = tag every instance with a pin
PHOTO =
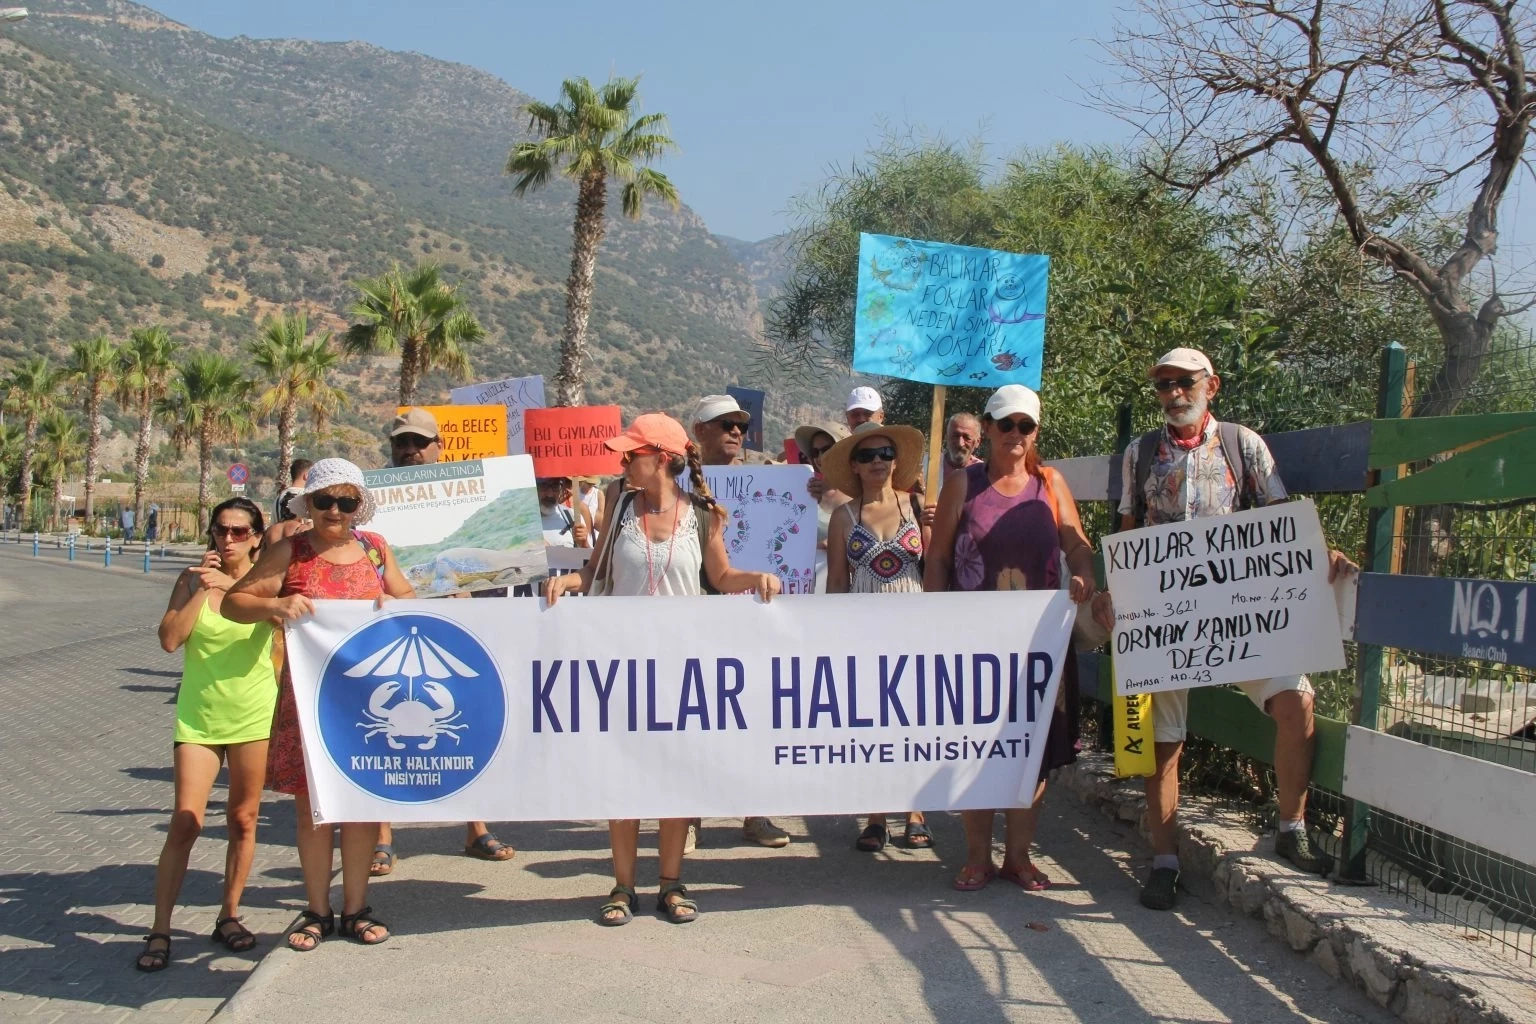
x=804, y=435
x=333, y=473
x=837, y=467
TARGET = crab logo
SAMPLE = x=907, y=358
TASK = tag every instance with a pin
x=411, y=707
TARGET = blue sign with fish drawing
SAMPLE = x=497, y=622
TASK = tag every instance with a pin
x=949, y=314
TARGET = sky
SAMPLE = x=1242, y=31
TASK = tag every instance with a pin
x=762, y=98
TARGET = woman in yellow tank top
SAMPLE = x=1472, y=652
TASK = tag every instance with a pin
x=223, y=710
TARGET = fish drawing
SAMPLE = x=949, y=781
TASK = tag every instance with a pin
x=979, y=375
x=1006, y=361
x=903, y=278
x=998, y=318
x=952, y=370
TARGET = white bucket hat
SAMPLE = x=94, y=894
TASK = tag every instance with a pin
x=333, y=473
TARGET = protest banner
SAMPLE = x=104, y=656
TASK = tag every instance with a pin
x=516, y=393
x=751, y=402
x=469, y=431
x=1222, y=600
x=461, y=526
x=568, y=441
x=949, y=314
x=792, y=452
x=770, y=521
x=630, y=707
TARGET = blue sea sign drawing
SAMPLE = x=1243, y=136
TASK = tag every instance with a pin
x=949, y=314
x=411, y=707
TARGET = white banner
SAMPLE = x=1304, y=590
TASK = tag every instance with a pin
x=639, y=707
x=771, y=521
x=516, y=393
x=1222, y=600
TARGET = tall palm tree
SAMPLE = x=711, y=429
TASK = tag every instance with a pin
x=10, y=456
x=31, y=391
x=591, y=135
x=146, y=372
x=206, y=405
x=420, y=317
x=61, y=443
x=296, y=367
x=93, y=368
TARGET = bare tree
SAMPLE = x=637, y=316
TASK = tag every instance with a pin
x=1394, y=108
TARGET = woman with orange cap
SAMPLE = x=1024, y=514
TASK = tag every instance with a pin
x=659, y=541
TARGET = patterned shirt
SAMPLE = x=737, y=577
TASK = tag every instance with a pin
x=1197, y=482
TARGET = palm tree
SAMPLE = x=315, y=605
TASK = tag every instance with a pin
x=206, y=404
x=420, y=317
x=146, y=372
x=31, y=391
x=590, y=136
x=93, y=366
x=10, y=456
x=296, y=367
x=61, y=444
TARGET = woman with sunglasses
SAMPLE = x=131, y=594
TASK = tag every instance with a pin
x=1009, y=524
x=875, y=546
x=660, y=542
x=331, y=560
x=223, y=713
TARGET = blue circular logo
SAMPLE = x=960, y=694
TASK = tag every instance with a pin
x=411, y=708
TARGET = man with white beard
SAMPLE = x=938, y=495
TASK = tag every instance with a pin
x=1192, y=467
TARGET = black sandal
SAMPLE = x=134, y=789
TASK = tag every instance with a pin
x=313, y=926
x=625, y=907
x=872, y=839
x=241, y=940
x=681, y=910
x=357, y=926
x=917, y=836
x=157, y=959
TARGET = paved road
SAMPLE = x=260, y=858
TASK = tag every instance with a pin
x=816, y=931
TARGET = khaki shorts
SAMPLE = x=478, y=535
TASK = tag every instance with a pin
x=1170, y=708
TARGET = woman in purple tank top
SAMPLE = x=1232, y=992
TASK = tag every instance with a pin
x=1006, y=525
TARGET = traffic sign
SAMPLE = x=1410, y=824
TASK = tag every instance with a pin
x=238, y=474
x=237, y=488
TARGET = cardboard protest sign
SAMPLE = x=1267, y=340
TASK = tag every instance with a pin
x=751, y=402
x=461, y=526
x=425, y=712
x=1222, y=600
x=568, y=441
x=949, y=314
x=771, y=521
x=792, y=452
x=516, y=393
x=469, y=431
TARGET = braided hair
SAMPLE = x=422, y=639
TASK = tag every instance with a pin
x=695, y=466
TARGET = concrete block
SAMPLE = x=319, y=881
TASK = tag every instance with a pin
x=1374, y=977
x=1324, y=956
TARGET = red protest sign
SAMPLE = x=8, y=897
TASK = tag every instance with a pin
x=569, y=441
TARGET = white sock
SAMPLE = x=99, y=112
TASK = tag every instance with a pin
x=1165, y=860
x=1293, y=826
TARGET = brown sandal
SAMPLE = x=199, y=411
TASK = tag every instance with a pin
x=152, y=960
x=357, y=926
x=312, y=927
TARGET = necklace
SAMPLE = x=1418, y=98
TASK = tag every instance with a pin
x=652, y=581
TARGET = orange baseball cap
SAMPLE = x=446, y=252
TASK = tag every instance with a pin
x=655, y=430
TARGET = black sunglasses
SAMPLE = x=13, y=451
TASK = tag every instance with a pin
x=326, y=502
x=416, y=441
x=1182, y=383
x=817, y=453
x=1024, y=425
x=864, y=456
x=731, y=426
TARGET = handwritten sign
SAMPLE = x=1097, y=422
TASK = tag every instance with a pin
x=516, y=393
x=469, y=431
x=751, y=402
x=949, y=314
x=569, y=441
x=771, y=521
x=1222, y=600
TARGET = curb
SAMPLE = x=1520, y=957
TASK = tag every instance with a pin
x=1416, y=966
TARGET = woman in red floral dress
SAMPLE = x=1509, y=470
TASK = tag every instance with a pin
x=332, y=560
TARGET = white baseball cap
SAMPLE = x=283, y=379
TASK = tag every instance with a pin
x=1184, y=359
x=712, y=407
x=865, y=398
x=1013, y=400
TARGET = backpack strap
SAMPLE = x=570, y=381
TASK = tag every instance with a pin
x=615, y=522
x=371, y=549
x=1232, y=448
x=1146, y=453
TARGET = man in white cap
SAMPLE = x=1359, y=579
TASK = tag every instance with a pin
x=720, y=428
x=1192, y=467
x=864, y=406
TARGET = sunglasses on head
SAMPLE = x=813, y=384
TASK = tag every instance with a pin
x=865, y=456
x=326, y=502
x=232, y=532
x=1167, y=384
x=416, y=441
x=1024, y=425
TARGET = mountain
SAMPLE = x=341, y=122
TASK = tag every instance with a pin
x=768, y=263
x=149, y=172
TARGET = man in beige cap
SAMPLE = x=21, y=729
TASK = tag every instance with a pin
x=1194, y=466
x=720, y=430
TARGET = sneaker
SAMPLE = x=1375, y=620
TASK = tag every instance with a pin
x=1161, y=890
x=764, y=832
x=1296, y=847
x=691, y=843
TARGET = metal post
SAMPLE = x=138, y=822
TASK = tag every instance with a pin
x=71, y=547
x=34, y=543
x=146, y=558
x=1370, y=661
x=106, y=558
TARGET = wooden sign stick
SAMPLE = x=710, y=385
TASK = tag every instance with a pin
x=935, y=445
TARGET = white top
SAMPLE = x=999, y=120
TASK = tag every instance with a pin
x=668, y=569
x=556, y=525
x=590, y=498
